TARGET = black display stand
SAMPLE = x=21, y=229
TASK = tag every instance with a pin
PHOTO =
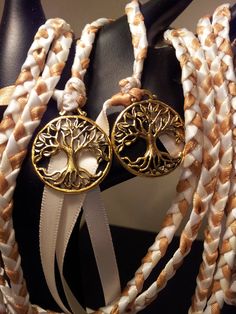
x=112, y=60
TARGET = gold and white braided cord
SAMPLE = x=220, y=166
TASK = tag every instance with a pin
x=21, y=125
x=25, y=119
x=140, y=44
x=187, y=184
x=189, y=53
x=78, y=67
x=225, y=264
x=139, y=38
x=206, y=179
x=210, y=184
x=186, y=187
x=30, y=72
x=74, y=94
x=224, y=276
x=220, y=73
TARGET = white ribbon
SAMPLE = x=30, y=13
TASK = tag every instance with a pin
x=96, y=219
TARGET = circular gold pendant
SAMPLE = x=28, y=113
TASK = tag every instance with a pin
x=143, y=128
x=71, y=154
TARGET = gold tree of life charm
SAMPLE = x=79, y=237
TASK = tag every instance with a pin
x=81, y=146
x=139, y=128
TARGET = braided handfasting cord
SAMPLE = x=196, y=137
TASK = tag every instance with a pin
x=138, y=64
x=186, y=186
x=191, y=168
x=221, y=72
x=207, y=180
x=226, y=264
x=22, y=117
x=53, y=207
x=30, y=72
x=224, y=128
x=210, y=181
x=73, y=97
x=174, y=216
x=130, y=86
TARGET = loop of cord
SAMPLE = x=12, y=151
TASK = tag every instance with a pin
x=72, y=97
x=129, y=83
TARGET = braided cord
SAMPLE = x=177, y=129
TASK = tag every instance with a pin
x=140, y=44
x=69, y=101
x=207, y=180
x=222, y=289
x=73, y=96
x=220, y=72
x=19, y=134
x=185, y=189
x=139, y=38
x=186, y=185
x=203, y=123
x=30, y=71
x=225, y=157
x=24, y=120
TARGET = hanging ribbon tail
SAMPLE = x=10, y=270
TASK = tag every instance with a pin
x=102, y=119
x=51, y=208
x=71, y=210
x=99, y=231
x=53, y=214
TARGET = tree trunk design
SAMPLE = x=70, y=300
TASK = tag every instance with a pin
x=75, y=137
x=138, y=128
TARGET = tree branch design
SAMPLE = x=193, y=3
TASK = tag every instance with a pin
x=71, y=136
x=148, y=120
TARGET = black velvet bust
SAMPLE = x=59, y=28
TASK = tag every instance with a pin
x=111, y=60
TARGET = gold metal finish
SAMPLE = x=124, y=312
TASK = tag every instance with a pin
x=138, y=128
x=73, y=139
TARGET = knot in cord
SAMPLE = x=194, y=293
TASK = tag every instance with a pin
x=130, y=91
x=72, y=97
x=128, y=83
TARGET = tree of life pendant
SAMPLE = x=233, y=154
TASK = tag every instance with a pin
x=80, y=149
x=139, y=128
